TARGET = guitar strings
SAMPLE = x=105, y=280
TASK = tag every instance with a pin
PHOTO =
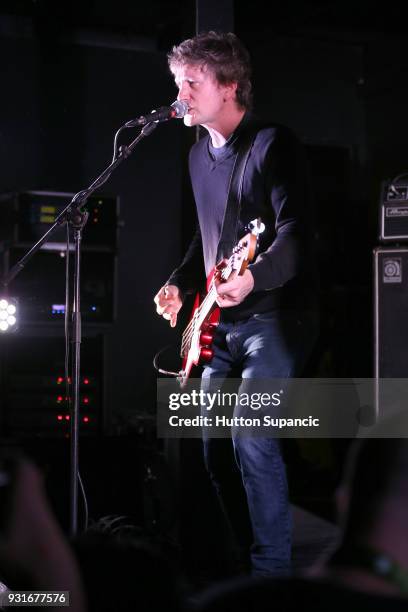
x=225, y=272
x=189, y=331
x=190, y=328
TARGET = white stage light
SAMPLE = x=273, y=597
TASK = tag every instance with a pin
x=8, y=314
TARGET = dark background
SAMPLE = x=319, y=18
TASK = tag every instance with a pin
x=72, y=73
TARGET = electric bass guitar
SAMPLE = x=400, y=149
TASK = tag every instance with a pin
x=197, y=339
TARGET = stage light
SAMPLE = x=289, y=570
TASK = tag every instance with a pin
x=8, y=314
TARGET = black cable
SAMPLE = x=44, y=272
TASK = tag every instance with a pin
x=66, y=325
x=86, y=510
x=115, y=143
x=68, y=379
x=156, y=363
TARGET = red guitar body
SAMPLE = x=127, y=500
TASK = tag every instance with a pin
x=207, y=331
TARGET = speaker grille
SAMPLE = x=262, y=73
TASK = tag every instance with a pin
x=391, y=312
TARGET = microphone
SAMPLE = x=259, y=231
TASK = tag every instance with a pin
x=177, y=110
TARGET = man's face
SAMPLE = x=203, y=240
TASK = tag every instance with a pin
x=204, y=95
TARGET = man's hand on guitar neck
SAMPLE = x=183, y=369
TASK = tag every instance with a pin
x=235, y=289
x=168, y=303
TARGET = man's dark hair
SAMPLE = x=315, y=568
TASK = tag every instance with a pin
x=224, y=55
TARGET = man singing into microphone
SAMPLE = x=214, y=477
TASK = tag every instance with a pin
x=268, y=321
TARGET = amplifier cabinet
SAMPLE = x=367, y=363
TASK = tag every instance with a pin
x=391, y=312
x=394, y=212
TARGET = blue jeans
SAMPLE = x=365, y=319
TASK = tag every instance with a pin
x=271, y=345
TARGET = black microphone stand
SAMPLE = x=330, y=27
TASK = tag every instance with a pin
x=76, y=217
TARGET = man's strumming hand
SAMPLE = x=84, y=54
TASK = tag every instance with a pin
x=168, y=302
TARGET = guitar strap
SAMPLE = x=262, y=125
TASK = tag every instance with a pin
x=229, y=231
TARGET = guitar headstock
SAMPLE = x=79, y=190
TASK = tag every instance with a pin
x=244, y=252
x=256, y=226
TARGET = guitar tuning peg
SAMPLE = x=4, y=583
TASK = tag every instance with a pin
x=256, y=226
